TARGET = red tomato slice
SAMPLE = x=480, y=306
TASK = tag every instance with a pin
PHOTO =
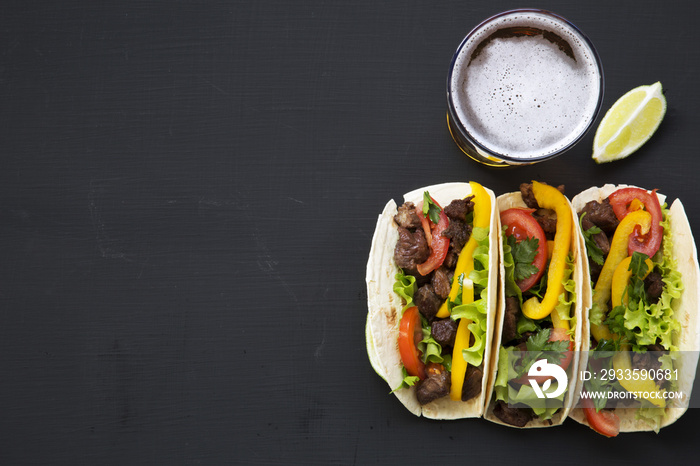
x=439, y=245
x=410, y=334
x=425, y=224
x=620, y=201
x=521, y=224
x=604, y=422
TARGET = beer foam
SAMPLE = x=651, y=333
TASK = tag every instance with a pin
x=523, y=96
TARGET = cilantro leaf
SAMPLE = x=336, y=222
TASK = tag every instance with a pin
x=639, y=270
x=616, y=323
x=592, y=249
x=604, y=345
x=430, y=209
x=557, y=346
x=539, y=343
x=524, y=253
x=638, y=265
x=538, y=347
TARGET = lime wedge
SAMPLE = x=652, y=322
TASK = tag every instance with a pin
x=629, y=123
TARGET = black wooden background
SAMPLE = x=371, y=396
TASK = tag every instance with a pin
x=187, y=196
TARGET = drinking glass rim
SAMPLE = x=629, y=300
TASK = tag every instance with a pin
x=586, y=42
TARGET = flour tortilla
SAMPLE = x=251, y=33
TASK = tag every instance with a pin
x=385, y=306
x=686, y=311
x=507, y=201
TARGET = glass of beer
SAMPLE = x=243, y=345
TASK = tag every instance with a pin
x=524, y=86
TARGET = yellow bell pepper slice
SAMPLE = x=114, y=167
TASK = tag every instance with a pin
x=549, y=197
x=636, y=204
x=550, y=249
x=459, y=365
x=465, y=262
x=618, y=252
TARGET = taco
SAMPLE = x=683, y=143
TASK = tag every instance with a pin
x=431, y=294
x=643, y=314
x=539, y=311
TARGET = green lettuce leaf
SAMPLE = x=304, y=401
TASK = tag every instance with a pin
x=526, y=395
x=480, y=274
x=597, y=313
x=430, y=349
x=651, y=415
x=506, y=372
x=407, y=381
x=568, y=297
x=525, y=324
x=405, y=286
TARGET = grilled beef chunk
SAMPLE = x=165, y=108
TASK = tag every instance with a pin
x=472, y=383
x=517, y=417
x=649, y=361
x=600, y=214
x=407, y=217
x=459, y=208
x=654, y=286
x=444, y=331
x=459, y=233
x=441, y=282
x=435, y=385
x=595, y=270
x=450, y=259
x=547, y=219
x=411, y=249
x=427, y=301
x=510, y=319
x=529, y=197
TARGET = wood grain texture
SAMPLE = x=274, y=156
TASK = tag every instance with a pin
x=187, y=196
